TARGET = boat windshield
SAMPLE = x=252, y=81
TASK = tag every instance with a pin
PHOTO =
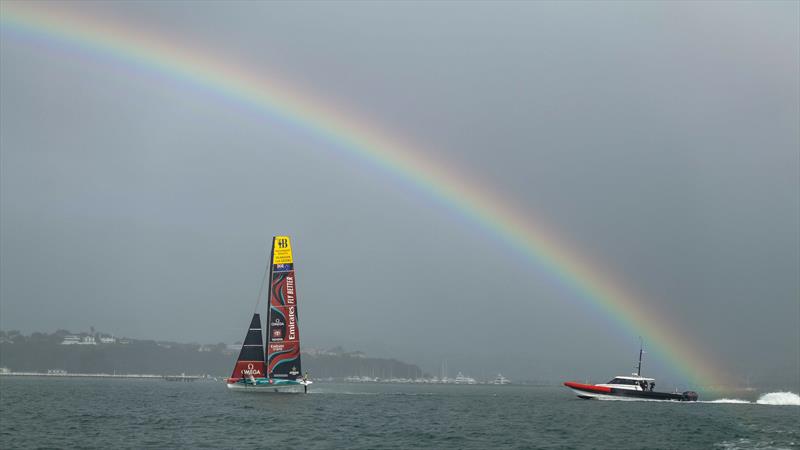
x=623, y=381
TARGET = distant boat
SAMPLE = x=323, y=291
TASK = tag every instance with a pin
x=278, y=366
x=631, y=387
x=461, y=379
x=500, y=379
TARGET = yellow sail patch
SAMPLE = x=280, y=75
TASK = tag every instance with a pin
x=281, y=250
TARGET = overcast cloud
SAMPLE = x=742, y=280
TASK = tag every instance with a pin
x=660, y=139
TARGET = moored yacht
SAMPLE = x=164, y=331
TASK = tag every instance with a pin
x=461, y=379
x=500, y=379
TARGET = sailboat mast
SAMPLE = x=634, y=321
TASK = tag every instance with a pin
x=269, y=310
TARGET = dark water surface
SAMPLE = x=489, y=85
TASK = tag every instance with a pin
x=106, y=413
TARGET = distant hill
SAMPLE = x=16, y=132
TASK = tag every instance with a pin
x=101, y=353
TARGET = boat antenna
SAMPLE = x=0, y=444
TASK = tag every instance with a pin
x=641, y=348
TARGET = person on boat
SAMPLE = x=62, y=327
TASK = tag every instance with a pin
x=652, y=385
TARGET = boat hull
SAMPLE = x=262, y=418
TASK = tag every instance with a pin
x=267, y=384
x=591, y=391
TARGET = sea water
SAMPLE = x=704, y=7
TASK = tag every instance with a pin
x=113, y=413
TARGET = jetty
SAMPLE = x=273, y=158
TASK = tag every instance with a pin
x=62, y=374
x=182, y=377
x=65, y=374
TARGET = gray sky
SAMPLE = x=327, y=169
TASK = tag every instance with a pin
x=660, y=140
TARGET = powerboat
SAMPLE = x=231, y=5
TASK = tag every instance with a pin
x=631, y=387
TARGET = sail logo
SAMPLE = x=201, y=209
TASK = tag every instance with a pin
x=281, y=251
x=292, y=324
x=251, y=370
x=294, y=371
x=290, y=290
x=277, y=322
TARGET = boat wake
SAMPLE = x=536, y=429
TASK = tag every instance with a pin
x=779, y=398
x=334, y=392
x=771, y=398
x=727, y=400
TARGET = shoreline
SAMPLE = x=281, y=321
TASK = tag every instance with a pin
x=103, y=375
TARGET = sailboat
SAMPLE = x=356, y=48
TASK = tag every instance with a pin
x=279, y=366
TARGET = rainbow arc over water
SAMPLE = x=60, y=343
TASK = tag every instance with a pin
x=118, y=42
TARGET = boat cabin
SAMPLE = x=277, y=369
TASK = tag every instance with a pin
x=633, y=382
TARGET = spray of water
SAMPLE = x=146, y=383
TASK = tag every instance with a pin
x=779, y=398
x=771, y=398
x=727, y=400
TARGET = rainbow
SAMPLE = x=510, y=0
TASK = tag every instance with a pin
x=364, y=141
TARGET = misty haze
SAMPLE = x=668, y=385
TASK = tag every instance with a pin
x=662, y=149
x=524, y=188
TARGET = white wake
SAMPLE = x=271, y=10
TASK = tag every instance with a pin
x=779, y=398
x=771, y=398
x=727, y=400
